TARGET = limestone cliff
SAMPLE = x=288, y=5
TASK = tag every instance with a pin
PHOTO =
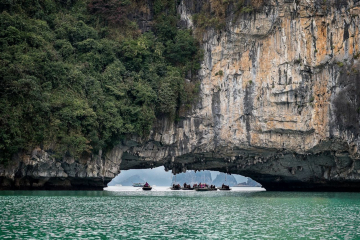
x=279, y=102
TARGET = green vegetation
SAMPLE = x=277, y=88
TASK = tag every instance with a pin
x=297, y=61
x=357, y=55
x=219, y=73
x=340, y=64
x=76, y=78
x=247, y=9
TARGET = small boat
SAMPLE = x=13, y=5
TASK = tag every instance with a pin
x=138, y=184
x=225, y=188
x=205, y=187
x=146, y=187
x=175, y=187
x=187, y=187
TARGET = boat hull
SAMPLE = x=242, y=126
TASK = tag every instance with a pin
x=146, y=188
x=201, y=189
x=205, y=189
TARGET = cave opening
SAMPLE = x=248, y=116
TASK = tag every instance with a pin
x=158, y=176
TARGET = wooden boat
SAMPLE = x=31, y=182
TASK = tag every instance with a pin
x=202, y=188
x=187, y=187
x=176, y=187
x=224, y=188
x=146, y=187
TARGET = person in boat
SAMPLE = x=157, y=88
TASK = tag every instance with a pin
x=146, y=184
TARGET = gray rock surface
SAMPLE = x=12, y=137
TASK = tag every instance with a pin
x=192, y=177
x=221, y=179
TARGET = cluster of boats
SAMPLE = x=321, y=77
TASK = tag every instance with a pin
x=202, y=187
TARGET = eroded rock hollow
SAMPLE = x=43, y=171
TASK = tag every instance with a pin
x=279, y=102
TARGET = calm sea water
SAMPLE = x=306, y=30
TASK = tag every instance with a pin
x=130, y=213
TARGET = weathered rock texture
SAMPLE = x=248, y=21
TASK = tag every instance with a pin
x=279, y=102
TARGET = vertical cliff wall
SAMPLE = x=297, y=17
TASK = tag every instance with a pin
x=279, y=102
x=279, y=98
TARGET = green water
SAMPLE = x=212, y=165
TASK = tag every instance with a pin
x=180, y=215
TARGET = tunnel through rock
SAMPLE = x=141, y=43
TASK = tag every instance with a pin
x=318, y=170
x=159, y=177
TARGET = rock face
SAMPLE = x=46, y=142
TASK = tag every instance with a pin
x=276, y=103
x=192, y=177
x=249, y=183
x=40, y=170
x=279, y=102
x=133, y=179
x=221, y=179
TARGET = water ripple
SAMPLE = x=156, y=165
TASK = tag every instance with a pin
x=179, y=215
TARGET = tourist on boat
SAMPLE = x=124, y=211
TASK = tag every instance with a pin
x=146, y=184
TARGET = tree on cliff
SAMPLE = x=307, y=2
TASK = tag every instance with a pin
x=113, y=11
x=77, y=77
